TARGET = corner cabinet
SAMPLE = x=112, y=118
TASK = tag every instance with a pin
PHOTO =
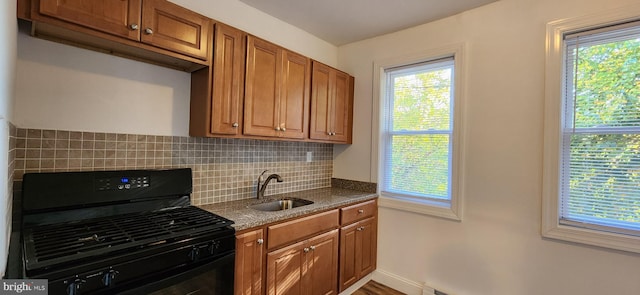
x=277, y=84
x=331, y=104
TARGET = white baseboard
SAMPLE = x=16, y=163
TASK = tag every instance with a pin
x=397, y=282
x=357, y=285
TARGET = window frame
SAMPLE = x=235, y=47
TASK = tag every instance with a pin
x=451, y=209
x=551, y=226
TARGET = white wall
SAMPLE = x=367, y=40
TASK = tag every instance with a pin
x=497, y=248
x=255, y=22
x=68, y=88
x=7, y=74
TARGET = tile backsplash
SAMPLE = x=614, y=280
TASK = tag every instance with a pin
x=223, y=169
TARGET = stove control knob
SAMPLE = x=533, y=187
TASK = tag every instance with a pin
x=195, y=252
x=108, y=277
x=213, y=247
x=74, y=286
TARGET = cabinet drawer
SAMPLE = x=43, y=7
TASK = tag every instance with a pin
x=357, y=212
x=295, y=230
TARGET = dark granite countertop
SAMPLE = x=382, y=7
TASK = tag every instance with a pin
x=324, y=199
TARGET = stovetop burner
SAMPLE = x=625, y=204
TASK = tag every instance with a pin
x=53, y=244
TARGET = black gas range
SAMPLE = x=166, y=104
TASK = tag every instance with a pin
x=123, y=232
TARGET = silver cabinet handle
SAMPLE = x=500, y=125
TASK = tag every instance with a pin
x=133, y=26
x=148, y=31
x=312, y=248
x=306, y=250
x=235, y=125
x=360, y=211
x=260, y=241
x=360, y=228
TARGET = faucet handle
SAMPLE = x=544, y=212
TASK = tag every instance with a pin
x=260, y=177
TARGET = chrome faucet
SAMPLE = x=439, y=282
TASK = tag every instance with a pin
x=262, y=187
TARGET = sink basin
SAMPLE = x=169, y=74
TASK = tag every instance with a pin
x=278, y=205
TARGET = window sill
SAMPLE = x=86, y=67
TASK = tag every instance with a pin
x=418, y=206
x=592, y=237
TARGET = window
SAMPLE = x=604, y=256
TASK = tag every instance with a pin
x=419, y=137
x=592, y=168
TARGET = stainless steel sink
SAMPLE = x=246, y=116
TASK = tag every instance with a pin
x=283, y=204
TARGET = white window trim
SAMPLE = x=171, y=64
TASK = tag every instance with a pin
x=551, y=227
x=415, y=205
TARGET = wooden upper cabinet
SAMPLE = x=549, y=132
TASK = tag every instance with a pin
x=174, y=28
x=228, y=80
x=262, y=88
x=117, y=17
x=321, y=102
x=294, y=95
x=331, y=104
x=276, y=91
x=155, y=31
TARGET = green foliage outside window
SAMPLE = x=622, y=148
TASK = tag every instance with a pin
x=604, y=164
x=420, y=162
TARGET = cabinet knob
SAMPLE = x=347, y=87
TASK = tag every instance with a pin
x=235, y=125
x=360, y=228
x=148, y=31
x=360, y=211
x=260, y=241
x=312, y=248
x=277, y=128
x=306, y=250
x=329, y=133
x=133, y=26
x=283, y=129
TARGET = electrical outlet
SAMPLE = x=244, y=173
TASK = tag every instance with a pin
x=309, y=157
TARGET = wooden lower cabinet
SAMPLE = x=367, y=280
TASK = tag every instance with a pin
x=249, y=263
x=308, y=267
x=358, y=248
x=309, y=255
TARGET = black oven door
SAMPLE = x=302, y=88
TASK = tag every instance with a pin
x=212, y=278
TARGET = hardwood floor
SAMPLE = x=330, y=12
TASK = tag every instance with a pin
x=375, y=288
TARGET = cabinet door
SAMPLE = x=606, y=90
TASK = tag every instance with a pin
x=322, y=260
x=228, y=80
x=285, y=270
x=341, y=108
x=110, y=16
x=320, y=97
x=358, y=250
x=348, y=273
x=366, y=246
x=294, y=95
x=169, y=26
x=249, y=253
x=262, y=88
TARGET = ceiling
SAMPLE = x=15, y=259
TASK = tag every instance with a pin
x=344, y=21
